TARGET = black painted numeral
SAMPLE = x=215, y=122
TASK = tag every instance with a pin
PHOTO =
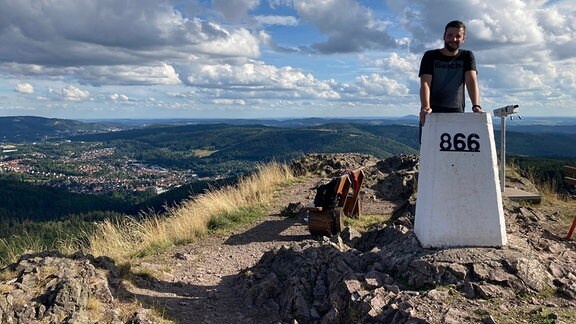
x=459, y=142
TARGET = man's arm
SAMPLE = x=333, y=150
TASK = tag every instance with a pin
x=425, y=82
x=471, y=80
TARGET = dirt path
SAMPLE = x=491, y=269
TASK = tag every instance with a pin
x=193, y=283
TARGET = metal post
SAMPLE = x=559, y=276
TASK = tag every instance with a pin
x=502, y=153
x=503, y=113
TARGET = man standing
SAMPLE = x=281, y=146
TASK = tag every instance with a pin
x=444, y=72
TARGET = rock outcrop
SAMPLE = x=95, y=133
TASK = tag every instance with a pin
x=49, y=287
x=385, y=276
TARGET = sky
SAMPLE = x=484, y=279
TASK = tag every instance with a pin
x=139, y=59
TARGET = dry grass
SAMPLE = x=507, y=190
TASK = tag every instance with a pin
x=552, y=202
x=189, y=221
x=122, y=311
x=366, y=222
x=16, y=245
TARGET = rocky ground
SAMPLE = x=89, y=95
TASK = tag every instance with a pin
x=274, y=271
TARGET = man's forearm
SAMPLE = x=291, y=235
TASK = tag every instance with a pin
x=472, y=87
x=425, y=81
x=424, y=92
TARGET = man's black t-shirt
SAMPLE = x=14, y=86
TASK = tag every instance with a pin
x=447, y=88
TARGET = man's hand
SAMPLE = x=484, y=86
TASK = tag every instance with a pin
x=477, y=109
x=423, y=112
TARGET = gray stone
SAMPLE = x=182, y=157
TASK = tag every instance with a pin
x=392, y=288
x=455, y=316
x=468, y=289
x=556, y=270
x=488, y=320
x=292, y=210
x=458, y=270
x=375, y=279
x=565, y=288
x=532, y=273
x=481, y=271
x=141, y=317
x=438, y=295
x=72, y=295
x=350, y=235
x=49, y=287
x=532, y=214
x=487, y=290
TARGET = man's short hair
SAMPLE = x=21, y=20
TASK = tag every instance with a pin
x=455, y=24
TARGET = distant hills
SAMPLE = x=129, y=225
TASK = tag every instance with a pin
x=190, y=143
x=30, y=128
x=224, y=148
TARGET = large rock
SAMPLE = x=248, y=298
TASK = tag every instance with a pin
x=49, y=287
x=329, y=165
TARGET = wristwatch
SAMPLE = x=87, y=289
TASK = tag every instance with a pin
x=476, y=106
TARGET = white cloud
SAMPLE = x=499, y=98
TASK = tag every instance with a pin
x=567, y=77
x=379, y=85
x=111, y=33
x=256, y=79
x=229, y=102
x=162, y=74
x=234, y=11
x=24, y=88
x=349, y=26
x=511, y=27
x=277, y=20
x=69, y=93
x=239, y=43
x=118, y=97
x=279, y=3
x=162, y=54
x=397, y=64
x=512, y=77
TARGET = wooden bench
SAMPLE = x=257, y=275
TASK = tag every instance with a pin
x=330, y=221
x=571, y=171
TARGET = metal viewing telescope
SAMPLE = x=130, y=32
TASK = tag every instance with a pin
x=503, y=113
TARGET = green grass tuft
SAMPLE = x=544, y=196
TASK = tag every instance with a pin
x=237, y=217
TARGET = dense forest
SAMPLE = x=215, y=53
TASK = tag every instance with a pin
x=47, y=215
x=545, y=172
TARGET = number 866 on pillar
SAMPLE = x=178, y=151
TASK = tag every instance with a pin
x=459, y=142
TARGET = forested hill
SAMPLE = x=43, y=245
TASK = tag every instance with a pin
x=545, y=144
x=258, y=142
x=175, y=144
x=197, y=146
x=31, y=128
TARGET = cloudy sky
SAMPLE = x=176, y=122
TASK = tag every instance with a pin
x=273, y=58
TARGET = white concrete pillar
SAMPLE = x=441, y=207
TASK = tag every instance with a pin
x=459, y=202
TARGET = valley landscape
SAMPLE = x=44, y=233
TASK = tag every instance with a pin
x=84, y=171
x=62, y=185
x=259, y=161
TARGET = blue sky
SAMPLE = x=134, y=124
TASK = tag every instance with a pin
x=273, y=58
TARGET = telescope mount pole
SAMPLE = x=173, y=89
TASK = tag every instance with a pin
x=502, y=152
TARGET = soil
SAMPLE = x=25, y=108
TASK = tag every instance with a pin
x=194, y=283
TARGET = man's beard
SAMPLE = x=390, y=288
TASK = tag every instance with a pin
x=450, y=48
